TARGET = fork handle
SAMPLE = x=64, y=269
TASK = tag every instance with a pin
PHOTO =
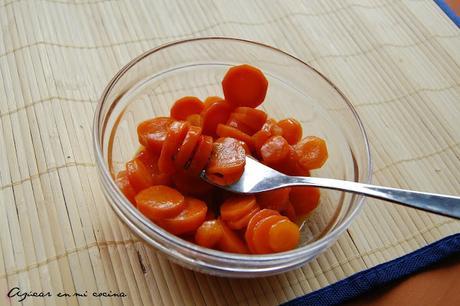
x=437, y=203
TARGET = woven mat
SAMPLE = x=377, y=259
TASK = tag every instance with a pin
x=397, y=61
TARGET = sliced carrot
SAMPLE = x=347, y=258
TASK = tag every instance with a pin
x=304, y=199
x=290, y=165
x=245, y=147
x=277, y=199
x=189, y=184
x=125, y=186
x=292, y=130
x=251, y=117
x=271, y=126
x=261, y=235
x=139, y=175
x=244, y=85
x=188, y=220
x=312, y=152
x=227, y=161
x=176, y=134
x=259, y=138
x=211, y=100
x=151, y=161
x=217, y=112
x=189, y=144
x=274, y=150
x=237, y=124
x=224, y=130
x=237, y=207
x=283, y=236
x=152, y=133
x=230, y=242
x=290, y=212
x=259, y=216
x=185, y=107
x=209, y=233
x=195, y=120
x=201, y=156
x=159, y=202
x=243, y=221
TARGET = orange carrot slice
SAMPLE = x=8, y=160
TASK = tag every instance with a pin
x=227, y=161
x=150, y=160
x=224, y=130
x=125, y=186
x=189, y=184
x=201, y=156
x=304, y=199
x=311, y=152
x=274, y=150
x=236, y=207
x=272, y=126
x=259, y=138
x=261, y=235
x=138, y=175
x=274, y=199
x=211, y=100
x=259, y=216
x=237, y=124
x=209, y=233
x=230, y=242
x=152, y=133
x=292, y=130
x=244, y=85
x=195, y=120
x=243, y=221
x=176, y=134
x=185, y=152
x=217, y=112
x=188, y=220
x=283, y=236
x=251, y=117
x=159, y=202
x=185, y=107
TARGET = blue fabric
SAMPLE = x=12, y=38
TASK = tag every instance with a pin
x=449, y=12
x=364, y=281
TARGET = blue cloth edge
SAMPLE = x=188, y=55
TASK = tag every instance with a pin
x=379, y=275
x=448, y=11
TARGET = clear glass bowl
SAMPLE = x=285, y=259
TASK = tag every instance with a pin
x=149, y=84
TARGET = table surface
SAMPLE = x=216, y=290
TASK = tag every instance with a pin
x=397, y=61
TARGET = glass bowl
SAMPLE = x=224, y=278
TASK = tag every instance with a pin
x=149, y=84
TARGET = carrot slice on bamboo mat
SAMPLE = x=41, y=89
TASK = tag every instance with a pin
x=244, y=85
x=174, y=138
x=159, y=202
x=209, y=233
x=188, y=220
x=185, y=107
x=189, y=144
x=292, y=130
x=226, y=164
x=237, y=207
x=152, y=133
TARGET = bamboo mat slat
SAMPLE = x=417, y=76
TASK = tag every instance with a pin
x=397, y=61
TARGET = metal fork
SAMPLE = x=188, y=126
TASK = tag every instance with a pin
x=258, y=178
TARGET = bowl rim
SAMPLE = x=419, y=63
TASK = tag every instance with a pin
x=170, y=238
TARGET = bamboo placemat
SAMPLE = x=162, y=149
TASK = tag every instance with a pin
x=397, y=61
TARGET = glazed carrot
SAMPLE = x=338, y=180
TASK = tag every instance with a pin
x=189, y=184
x=236, y=207
x=312, y=152
x=138, y=174
x=290, y=165
x=289, y=212
x=259, y=216
x=209, y=233
x=189, y=144
x=259, y=138
x=176, y=134
x=159, y=202
x=246, y=148
x=152, y=133
x=261, y=235
x=185, y=107
x=188, y=220
x=217, y=112
x=211, y=100
x=237, y=124
x=283, y=236
x=292, y=130
x=244, y=85
x=251, y=117
x=277, y=199
x=274, y=150
x=125, y=186
x=272, y=126
x=304, y=199
x=195, y=120
x=150, y=160
x=243, y=221
x=227, y=161
x=201, y=156
x=230, y=242
x=224, y=130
